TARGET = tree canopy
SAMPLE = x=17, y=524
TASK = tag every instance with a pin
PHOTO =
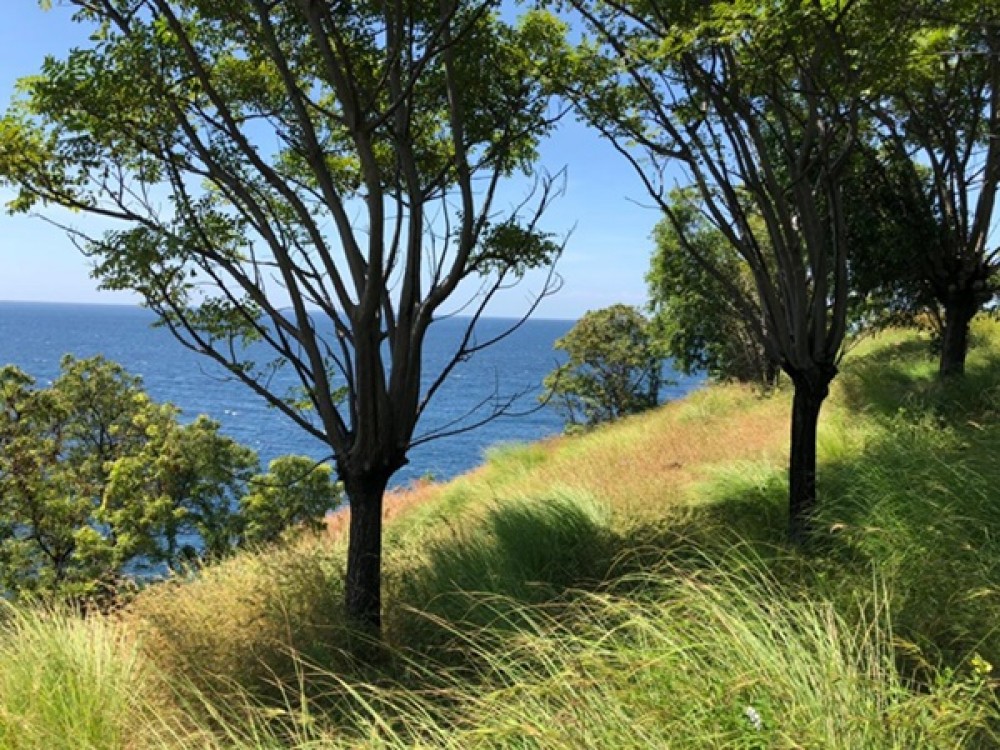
x=613, y=368
x=695, y=320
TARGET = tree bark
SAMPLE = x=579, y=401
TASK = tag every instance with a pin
x=811, y=389
x=363, y=587
x=771, y=370
x=958, y=314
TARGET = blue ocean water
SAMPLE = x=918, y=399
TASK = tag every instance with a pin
x=35, y=336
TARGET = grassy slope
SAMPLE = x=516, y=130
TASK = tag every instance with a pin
x=625, y=588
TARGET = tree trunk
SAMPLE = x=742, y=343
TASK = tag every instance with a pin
x=811, y=390
x=958, y=315
x=363, y=589
x=771, y=373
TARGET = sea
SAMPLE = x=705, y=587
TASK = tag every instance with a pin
x=35, y=336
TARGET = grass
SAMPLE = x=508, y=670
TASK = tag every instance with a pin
x=73, y=682
x=628, y=587
x=725, y=659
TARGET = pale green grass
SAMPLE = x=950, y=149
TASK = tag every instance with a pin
x=72, y=682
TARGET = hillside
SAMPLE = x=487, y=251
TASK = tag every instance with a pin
x=627, y=588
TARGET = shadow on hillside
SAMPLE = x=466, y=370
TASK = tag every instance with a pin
x=547, y=552
x=918, y=513
x=522, y=553
x=898, y=378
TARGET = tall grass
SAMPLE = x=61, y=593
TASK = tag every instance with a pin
x=628, y=588
x=525, y=550
x=724, y=659
x=73, y=682
x=241, y=625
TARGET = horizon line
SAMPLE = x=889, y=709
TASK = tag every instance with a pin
x=140, y=306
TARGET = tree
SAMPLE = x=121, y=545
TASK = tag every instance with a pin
x=889, y=233
x=294, y=493
x=941, y=117
x=307, y=179
x=694, y=318
x=96, y=479
x=56, y=446
x=197, y=477
x=757, y=104
x=612, y=368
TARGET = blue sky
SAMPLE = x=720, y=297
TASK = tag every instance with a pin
x=604, y=204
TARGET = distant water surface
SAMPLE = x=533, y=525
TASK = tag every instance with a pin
x=35, y=336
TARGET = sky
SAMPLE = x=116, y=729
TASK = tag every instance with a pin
x=604, y=211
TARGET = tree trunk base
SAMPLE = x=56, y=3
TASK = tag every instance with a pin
x=811, y=389
x=958, y=316
x=363, y=585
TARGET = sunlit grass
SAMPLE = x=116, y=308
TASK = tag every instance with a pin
x=69, y=682
x=625, y=588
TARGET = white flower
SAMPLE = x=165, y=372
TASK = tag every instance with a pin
x=753, y=716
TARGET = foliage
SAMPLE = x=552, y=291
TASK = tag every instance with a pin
x=939, y=116
x=892, y=233
x=889, y=236
x=295, y=493
x=98, y=482
x=695, y=320
x=613, y=367
x=195, y=475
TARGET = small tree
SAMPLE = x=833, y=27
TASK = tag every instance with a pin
x=694, y=318
x=195, y=475
x=612, y=370
x=293, y=494
x=891, y=232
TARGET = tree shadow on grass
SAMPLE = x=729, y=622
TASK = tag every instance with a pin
x=919, y=512
x=897, y=378
x=542, y=554
x=883, y=380
x=524, y=552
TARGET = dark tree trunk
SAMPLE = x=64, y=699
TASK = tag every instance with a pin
x=811, y=390
x=771, y=372
x=958, y=314
x=363, y=588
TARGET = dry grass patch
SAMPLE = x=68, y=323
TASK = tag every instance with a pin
x=668, y=450
x=397, y=503
x=237, y=623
